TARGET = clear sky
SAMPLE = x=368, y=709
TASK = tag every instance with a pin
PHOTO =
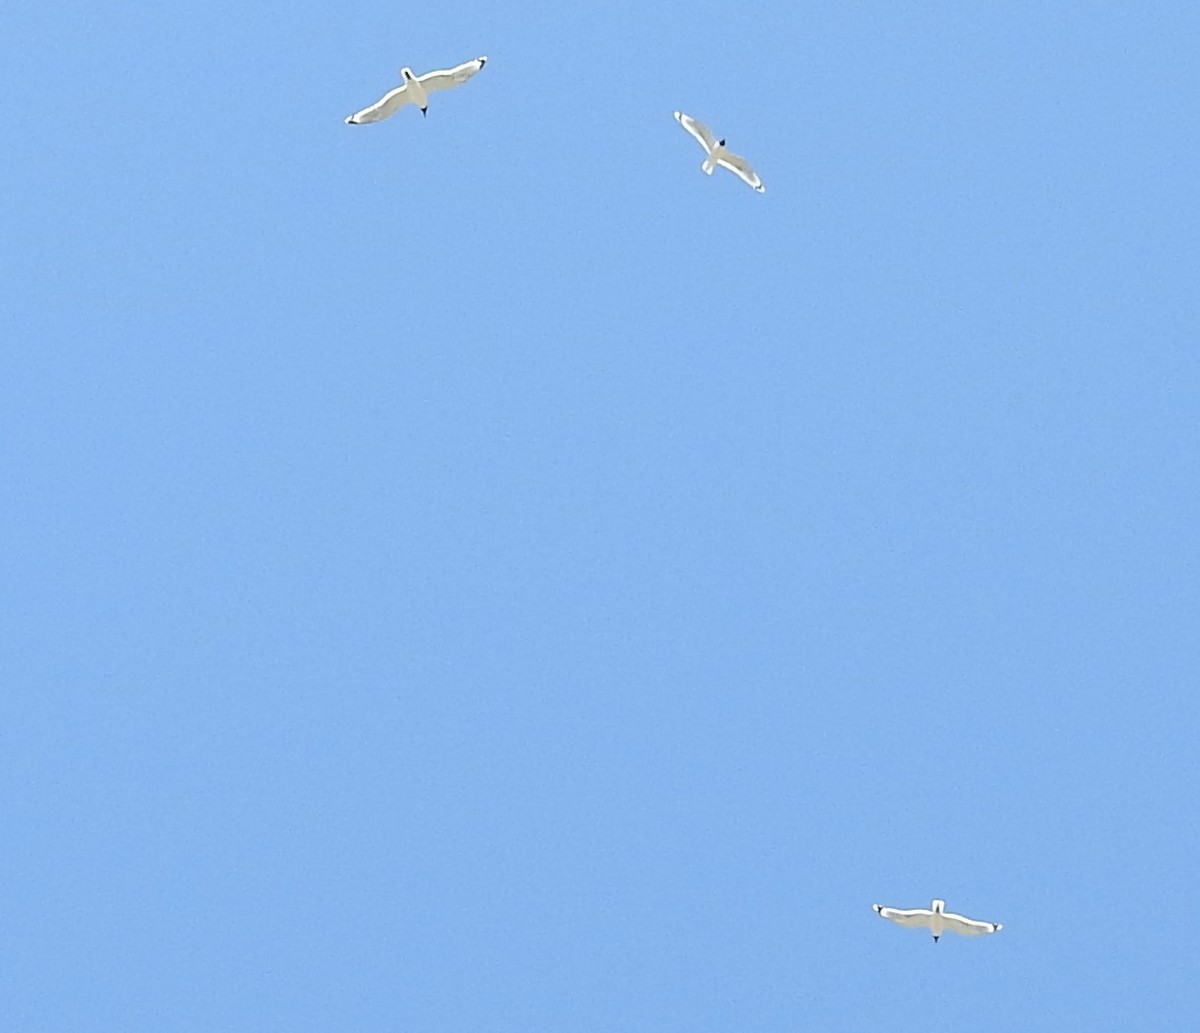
x=479, y=573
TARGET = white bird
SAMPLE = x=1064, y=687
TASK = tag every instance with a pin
x=937, y=921
x=718, y=154
x=415, y=91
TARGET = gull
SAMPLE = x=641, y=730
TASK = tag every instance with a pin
x=415, y=91
x=718, y=154
x=937, y=921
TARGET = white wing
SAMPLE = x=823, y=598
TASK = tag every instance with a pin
x=383, y=108
x=740, y=167
x=918, y=918
x=968, y=926
x=444, y=79
x=699, y=130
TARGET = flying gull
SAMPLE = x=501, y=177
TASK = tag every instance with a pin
x=718, y=154
x=415, y=91
x=937, y=921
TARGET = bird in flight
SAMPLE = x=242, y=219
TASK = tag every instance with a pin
x=716, y=153
x=416, y=90
x=937, y=921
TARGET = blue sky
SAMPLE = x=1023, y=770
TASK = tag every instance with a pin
x=479, y=573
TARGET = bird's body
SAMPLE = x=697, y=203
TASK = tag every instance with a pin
x=937, y=920
x=415, y=90
x=716, y=153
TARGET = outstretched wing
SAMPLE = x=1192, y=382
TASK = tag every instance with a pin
x=915, y=919
x=699, y=130
x=383, y=108
x=444, y=79
x=740, y=167
x=968, y=926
